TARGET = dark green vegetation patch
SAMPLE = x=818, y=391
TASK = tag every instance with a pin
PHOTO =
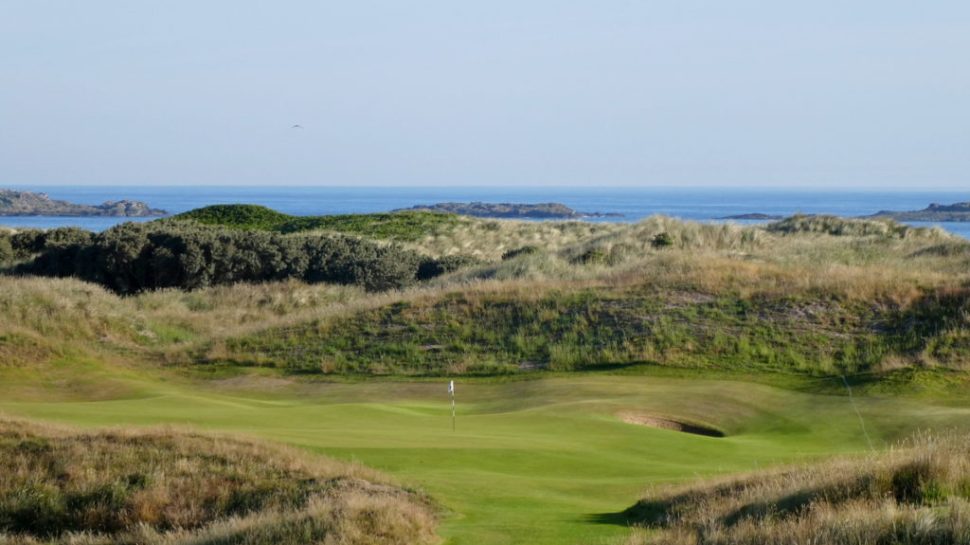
x=402, y=226
x=135, y=257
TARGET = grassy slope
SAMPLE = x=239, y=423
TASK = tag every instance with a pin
x=565, y=330
x=536, y=462
x=487, y=332
x=401, y=226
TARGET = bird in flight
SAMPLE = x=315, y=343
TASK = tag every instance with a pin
x=297, y=127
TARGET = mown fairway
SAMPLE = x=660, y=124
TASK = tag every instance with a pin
x=542, y=461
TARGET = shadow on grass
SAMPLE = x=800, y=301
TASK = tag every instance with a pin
x=623, y=518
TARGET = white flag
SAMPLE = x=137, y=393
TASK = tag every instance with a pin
x=451, y=387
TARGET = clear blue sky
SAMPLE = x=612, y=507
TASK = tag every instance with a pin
x=817, y=93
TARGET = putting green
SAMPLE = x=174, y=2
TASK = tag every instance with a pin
x=531, y=462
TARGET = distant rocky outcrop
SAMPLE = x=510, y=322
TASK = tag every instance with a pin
x=548, y=210
x=27, y=203
x=752, y=216
x=935, y=212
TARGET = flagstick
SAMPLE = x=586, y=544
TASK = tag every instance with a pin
x=451, y=390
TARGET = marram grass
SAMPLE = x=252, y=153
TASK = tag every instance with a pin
x=915, y=494
x=169, y=487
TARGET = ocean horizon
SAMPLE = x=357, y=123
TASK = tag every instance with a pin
x=634, y=203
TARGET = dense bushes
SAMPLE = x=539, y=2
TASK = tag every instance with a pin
x=20, y=245
x=134, y=257
x=662, y=240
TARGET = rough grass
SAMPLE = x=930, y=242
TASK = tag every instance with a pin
x=918, y=493
x=531, y=327
x=45, y=318
x=491, y=239
x=588, y=294
x=503, y=332
x=839, y=226
x=169, y=487
x=449, y=234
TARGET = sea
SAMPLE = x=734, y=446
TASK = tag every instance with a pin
x=691, y=203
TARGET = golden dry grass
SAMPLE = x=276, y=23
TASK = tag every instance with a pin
x=917, y=493
x=717, y=257
x=489, y=239
x=172, y=487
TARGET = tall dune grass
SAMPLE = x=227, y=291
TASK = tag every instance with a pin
x=916, y=494
x=801, y=268
x=171, y=487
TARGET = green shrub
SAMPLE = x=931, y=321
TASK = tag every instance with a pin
x=30, y=242
x=241, y=216
x=27, y=242
x=662, y=240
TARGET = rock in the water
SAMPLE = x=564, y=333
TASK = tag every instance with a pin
x=752, y=216
x=935, y=212
x=27, y=203
x=549, y=210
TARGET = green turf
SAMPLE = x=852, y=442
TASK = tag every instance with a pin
x=531, y=462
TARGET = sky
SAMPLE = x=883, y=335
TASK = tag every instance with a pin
x=827, y=94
